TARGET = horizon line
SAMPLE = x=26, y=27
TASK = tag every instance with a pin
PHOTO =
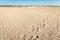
x=27, y=5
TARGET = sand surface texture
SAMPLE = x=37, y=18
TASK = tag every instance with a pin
x=29, y=23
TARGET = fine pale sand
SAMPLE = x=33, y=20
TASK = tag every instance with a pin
x=30, y=23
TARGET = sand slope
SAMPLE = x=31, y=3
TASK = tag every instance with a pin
x=29, y=23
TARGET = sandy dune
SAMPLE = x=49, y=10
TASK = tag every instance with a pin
x=30, y=23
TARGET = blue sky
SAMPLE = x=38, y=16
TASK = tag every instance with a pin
x=29, y=2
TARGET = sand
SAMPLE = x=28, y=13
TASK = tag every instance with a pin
x=30, y=23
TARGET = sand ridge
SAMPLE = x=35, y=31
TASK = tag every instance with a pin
x=29, y=23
